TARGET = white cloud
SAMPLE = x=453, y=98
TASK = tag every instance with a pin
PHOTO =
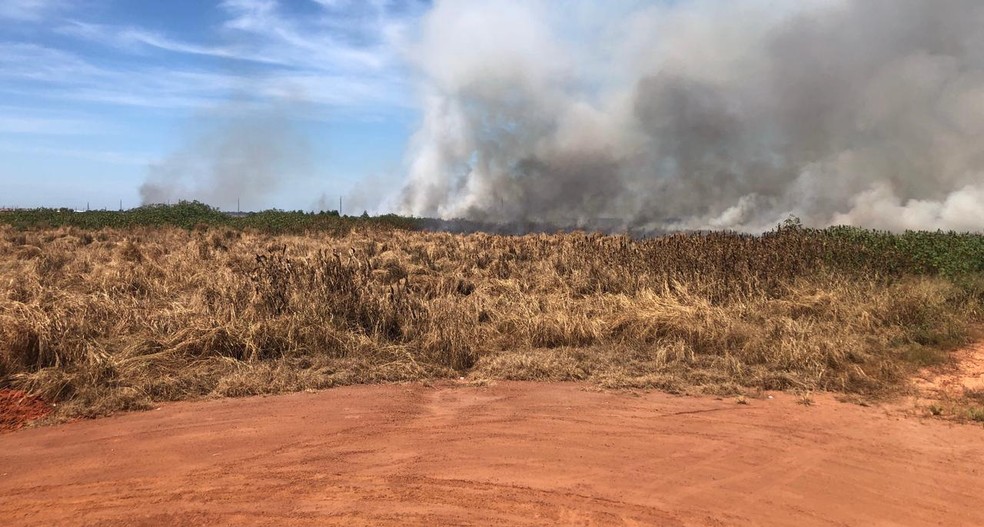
x=311, y=45
x=40, y=63
x=28, y=10
x=63, y=75
x=346, y=59
x=23, y=124
x=133, y=39
x=250, y=15
x=101, y=156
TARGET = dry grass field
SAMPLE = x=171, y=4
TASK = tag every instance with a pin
x=104, y=320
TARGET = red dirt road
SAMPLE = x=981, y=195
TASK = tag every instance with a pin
x=509, y=454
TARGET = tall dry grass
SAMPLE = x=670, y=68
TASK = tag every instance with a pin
x=108, y=320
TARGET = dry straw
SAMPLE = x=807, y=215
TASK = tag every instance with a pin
x=110, y=320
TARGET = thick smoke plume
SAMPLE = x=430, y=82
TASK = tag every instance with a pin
x=235, y=155
x=702, y=114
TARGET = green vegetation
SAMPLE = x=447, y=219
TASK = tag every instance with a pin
x=948, y=254
x=944, y=253
x=193, y=214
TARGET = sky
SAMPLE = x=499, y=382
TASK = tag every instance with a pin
x=98, y=95
x=662, y=114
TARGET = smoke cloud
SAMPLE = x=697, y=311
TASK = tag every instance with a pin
x=702, y=114
x=236, y=154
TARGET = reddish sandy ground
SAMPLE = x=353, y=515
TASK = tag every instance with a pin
x=966, y=374
x=17, y=409
x=509, y=454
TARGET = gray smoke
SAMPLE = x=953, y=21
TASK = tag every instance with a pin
x=236, y=153
x=702, y=114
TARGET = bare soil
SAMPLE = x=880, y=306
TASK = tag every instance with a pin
x=964, y=374
x=506, y=454
x=18, y=408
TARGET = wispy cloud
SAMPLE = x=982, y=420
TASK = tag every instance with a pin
x=101, y=156
x=136, y=84
x=22, y=124
x=33, y=62
x=338, y=40
x=39, y=71
x=344, y=58
x=28, y=10
x=134, y=39
x=68, y=77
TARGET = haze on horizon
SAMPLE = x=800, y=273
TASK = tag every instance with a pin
x=688, y=114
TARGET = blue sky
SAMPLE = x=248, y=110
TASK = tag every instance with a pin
x=93, y=93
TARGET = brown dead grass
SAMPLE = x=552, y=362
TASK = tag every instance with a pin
x=117, y=320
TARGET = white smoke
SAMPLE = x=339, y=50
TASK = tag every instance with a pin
x=236, y=155
x=702, y=114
